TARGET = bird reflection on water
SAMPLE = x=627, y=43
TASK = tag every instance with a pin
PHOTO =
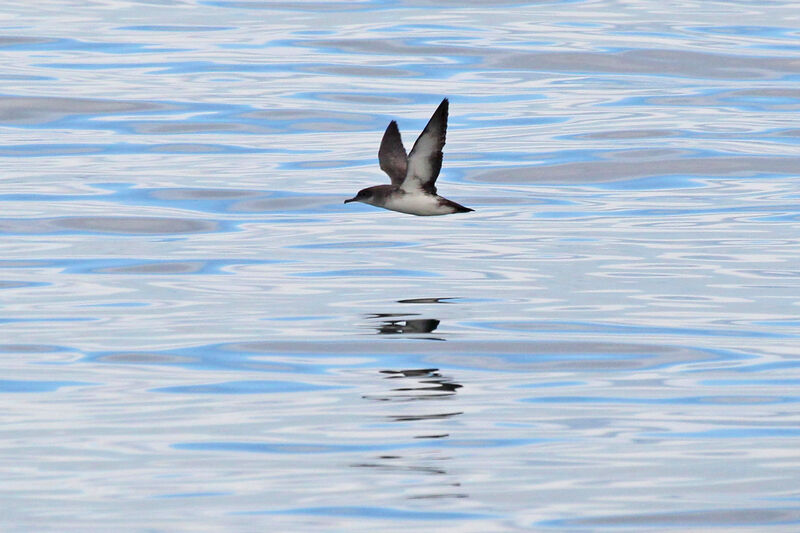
x=399, y=324
x=426, y=301
x=412, y=385
x=414, y=325
x=434, y=387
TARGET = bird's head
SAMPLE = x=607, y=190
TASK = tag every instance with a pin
x=366, y=196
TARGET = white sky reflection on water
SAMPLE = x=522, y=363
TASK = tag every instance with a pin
x=197, y=334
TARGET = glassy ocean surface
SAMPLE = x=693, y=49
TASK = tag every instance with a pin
x=196, y=334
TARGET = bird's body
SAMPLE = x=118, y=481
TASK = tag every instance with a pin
x=413, y=189
x=418, y=203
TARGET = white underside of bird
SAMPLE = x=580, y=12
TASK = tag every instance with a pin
x=418, y=203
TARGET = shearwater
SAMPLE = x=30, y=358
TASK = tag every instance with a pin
x=413, y=188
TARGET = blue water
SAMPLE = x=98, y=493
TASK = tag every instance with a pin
x=196, y=334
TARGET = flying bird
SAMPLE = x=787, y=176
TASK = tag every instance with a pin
x=413, y=189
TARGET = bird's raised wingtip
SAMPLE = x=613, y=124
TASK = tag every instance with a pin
x=442, y=112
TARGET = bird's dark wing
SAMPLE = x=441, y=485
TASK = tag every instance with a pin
x=392, y=155
x=425, y=159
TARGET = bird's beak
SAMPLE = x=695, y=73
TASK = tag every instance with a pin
x=350, y=200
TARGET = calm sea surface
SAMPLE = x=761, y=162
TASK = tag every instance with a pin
x=196, y=334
